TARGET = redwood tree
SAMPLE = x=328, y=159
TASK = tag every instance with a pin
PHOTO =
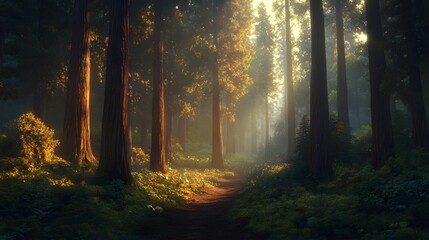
x=320, y=164
x=289, y=83
x=157, y=153
x=115, y=155
x=76, y=141
x=342, y=93
x=382, y=132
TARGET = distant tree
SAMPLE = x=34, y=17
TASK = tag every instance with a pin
x=320, y=164
x=235, y=55
x=76, y=141
x=342, y=92
x=382, y=132
x=217, y=142
x=263, y=64
x=157, y=157
x=115, y=156
x=288, y=78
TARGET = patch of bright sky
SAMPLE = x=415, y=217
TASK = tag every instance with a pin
x=268, y=5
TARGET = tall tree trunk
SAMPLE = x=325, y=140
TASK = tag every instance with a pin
x=320, y=163
x=289, y=83
x=157, y=160
x=169, y=129
x=420, y=132
x=342, y=92
x=230, y=131
x=217, y=144
x=241, y=135
x=253, y=131
x=382, y=132
x=115, y=156
x=182, y=132
x=76, y=141
x=267, y=128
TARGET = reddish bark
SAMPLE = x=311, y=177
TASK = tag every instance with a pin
x=115, y=156
x=157, y=159
x=76, y=141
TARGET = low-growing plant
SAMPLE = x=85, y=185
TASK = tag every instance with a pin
x=37, y=142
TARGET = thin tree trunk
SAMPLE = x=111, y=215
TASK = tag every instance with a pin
x=241, y=135
x=217, y=145
x=267, y=128
x=289, y=83
x=382, y=132
x=320, y=163
x=182, y=132
x=230, y=130
x=420, y=132
x=76, y=141
x=342, y=92
x=115, y=158
x=253, y=131
x=157, y=160
x=169, y=130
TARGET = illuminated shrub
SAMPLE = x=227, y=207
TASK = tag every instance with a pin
x=36, y=139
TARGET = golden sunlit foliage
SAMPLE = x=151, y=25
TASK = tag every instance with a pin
x=36, y=138
x=235, y=52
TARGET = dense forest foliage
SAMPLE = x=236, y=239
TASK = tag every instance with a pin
x=214, y=119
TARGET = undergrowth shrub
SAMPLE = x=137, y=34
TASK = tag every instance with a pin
x=140, y=159
x=37, y=143
x=339, y=144
x=361, y=142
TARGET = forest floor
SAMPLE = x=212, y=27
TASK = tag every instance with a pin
x=204, y=216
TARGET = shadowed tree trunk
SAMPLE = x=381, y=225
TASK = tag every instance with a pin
x=342, y=92
x=182, y=132
x=419, y=131
x=382, y=133
x=115, y=157
x=76, y=141
x=217, y=144
x=157, y=159
x=320, y=163
x=289, y=83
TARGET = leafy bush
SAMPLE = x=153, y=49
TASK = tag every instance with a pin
x=36, y=138
x=140, y=159
x=361, y=142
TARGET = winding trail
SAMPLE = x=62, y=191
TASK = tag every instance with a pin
x=204, y=217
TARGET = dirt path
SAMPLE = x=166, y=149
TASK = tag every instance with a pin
x=204, y=217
